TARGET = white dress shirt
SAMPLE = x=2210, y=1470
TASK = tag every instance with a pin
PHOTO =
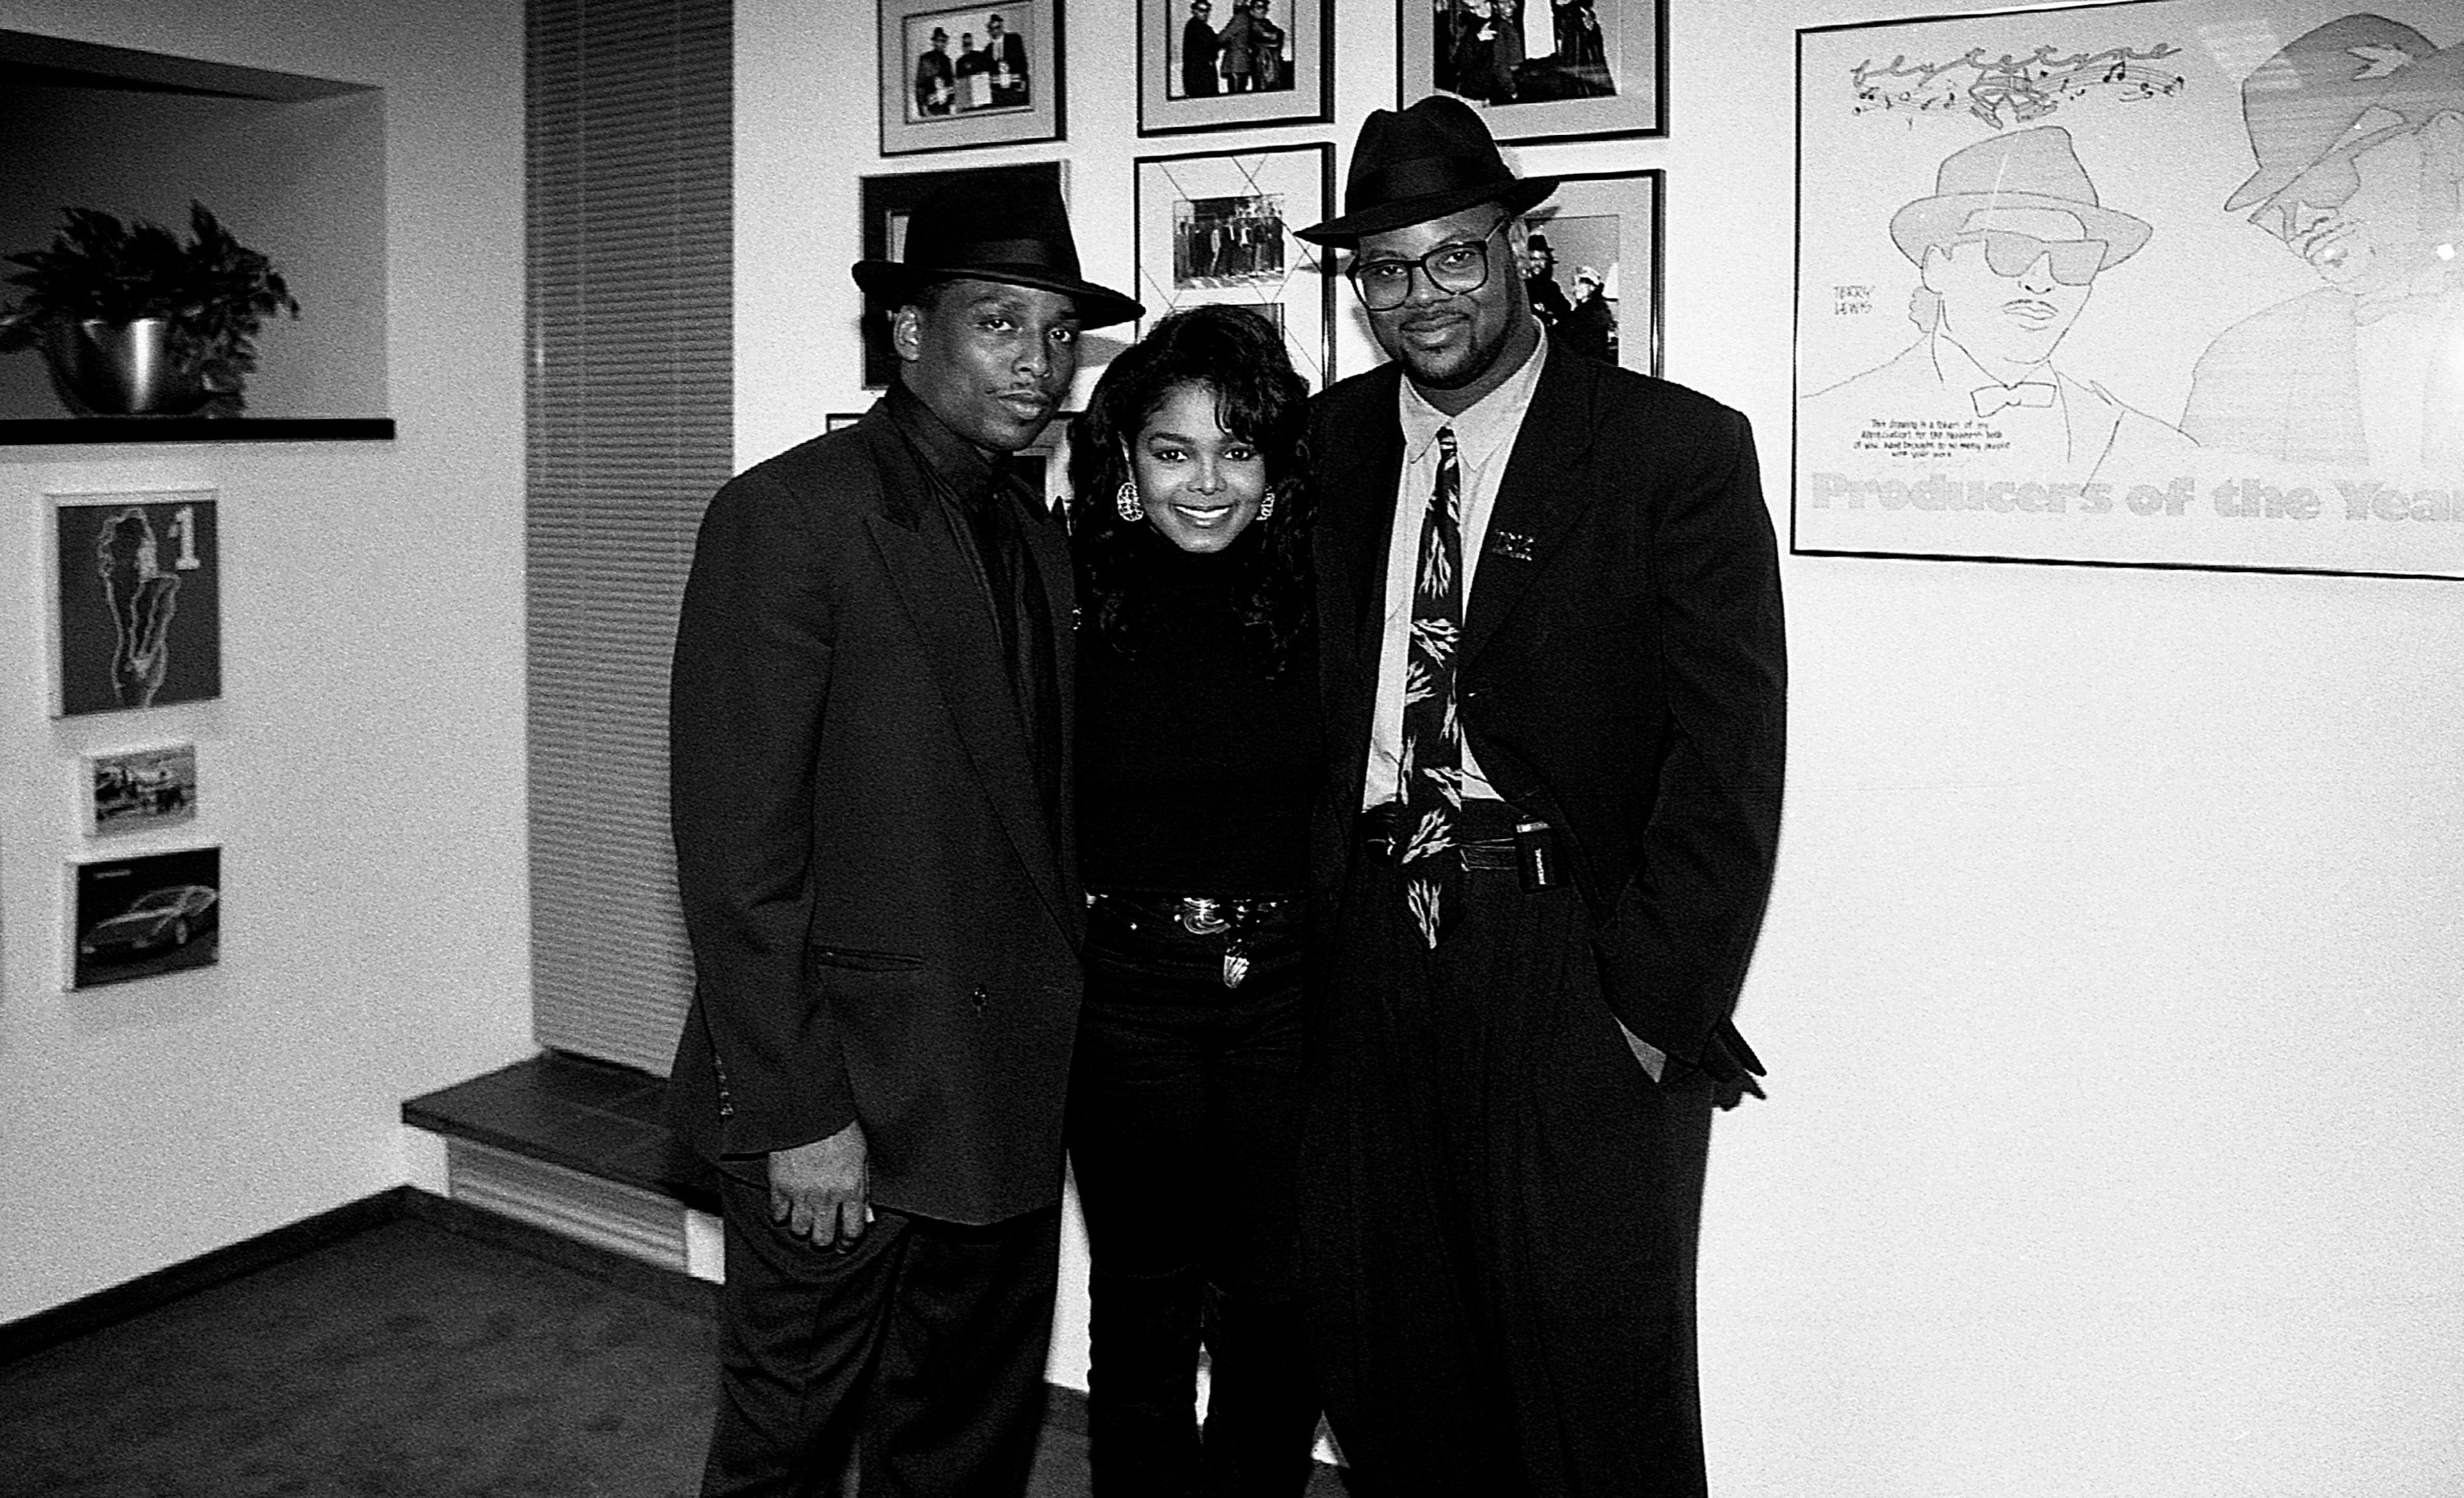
x=1484, y=440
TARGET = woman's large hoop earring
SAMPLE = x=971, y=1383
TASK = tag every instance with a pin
x=1126, y=502
x=1266, y=508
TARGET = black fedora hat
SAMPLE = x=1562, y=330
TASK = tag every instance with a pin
x=1426, y=161
x=996, y=227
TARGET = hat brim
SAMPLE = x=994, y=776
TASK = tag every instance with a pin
x=894, y=282
x=1515, y=195
x=1928, y=220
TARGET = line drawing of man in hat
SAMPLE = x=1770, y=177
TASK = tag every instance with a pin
x=2008, y=249
x=870, y=799
x=1555, y=729
x=2358, y=127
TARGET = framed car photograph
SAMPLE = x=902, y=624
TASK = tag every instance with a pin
x=1227, y=64
x=135, y=616
x=1218, y=228
x=885, y=204
x=140, y=791
x=1540, y=70
x=145, y=917
x=1592, y=267
x=961, y=75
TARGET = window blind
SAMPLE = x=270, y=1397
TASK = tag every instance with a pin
x=629, y=431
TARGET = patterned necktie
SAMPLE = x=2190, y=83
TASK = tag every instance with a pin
x=1431, y=778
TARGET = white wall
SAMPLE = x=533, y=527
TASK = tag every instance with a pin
x=2110, y=982
x=363, y=769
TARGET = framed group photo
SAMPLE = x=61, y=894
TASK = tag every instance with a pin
x=143, y=916
x=1217, y=229
x=885, y=203
x=1540, y=70
x=135, y=617
x=959, y=75
x=1226, y=64
x=1592, y=267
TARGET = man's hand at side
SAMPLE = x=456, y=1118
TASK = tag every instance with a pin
x=818, y=1191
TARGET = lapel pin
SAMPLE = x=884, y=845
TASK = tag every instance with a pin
x=1513, y=545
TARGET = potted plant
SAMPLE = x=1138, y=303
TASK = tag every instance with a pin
x=134, y=321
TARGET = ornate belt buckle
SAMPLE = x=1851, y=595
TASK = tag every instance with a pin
x=1203, y=917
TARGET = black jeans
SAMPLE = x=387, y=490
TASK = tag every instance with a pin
x=1184, y=1132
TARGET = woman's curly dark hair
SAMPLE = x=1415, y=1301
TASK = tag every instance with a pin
x=1258, y=398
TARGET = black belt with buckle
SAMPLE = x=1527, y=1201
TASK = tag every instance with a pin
x=1203, y=915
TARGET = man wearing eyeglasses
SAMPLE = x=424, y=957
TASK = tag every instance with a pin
x=2358, y=127
x=2008, y=250
x=1554, y=674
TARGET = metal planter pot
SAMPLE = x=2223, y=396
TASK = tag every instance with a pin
x=120, y=369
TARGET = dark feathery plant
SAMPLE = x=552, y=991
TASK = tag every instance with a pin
x=215, y=291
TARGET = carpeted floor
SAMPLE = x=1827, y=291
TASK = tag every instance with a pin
x=408, y=1359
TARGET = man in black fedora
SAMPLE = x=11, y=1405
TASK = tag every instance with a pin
x=870, y=797
x=1555, y=722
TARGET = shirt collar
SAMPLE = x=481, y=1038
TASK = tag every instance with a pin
x=1481, y=427
x=971, y=475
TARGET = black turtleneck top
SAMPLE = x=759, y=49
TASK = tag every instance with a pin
x=1195, y=771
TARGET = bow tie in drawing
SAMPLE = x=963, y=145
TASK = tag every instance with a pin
x=1991, y=398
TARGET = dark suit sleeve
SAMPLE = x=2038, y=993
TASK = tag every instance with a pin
x=1675, y=951
x=752, y=673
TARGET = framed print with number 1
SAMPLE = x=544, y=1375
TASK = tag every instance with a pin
x=136, y=585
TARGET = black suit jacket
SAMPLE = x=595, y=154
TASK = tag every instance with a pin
x=1622, y=670
x=884, y=919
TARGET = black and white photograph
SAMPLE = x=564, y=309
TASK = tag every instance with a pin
x=885, y=203
x=140, y=790
x=1218, y=243
x=953, y=76
x=1540, y=70
x=1592, y=267
x=145, y=917
x=1221, y=64
x=1217, y=229
x=137, y=606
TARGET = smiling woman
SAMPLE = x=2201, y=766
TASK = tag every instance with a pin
x=1199, y=751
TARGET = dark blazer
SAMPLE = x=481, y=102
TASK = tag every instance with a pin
x=883, y=920
x=1622, y=670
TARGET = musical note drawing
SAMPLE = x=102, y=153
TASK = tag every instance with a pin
x=2011, y=90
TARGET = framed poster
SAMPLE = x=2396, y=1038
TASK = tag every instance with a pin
x=1219, y=228
x=886, y=204
x=138, y=917
x=136, y=601
x=1593, y=270
x=2168, y=284
x=140, y=791
x=1540, y=70
x=1222, y=64
x=957, y=75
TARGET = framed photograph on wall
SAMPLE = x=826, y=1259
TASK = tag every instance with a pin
x=1540, y=70
x=1594, y=271
x=2161, y=284
x=1223, y=64
x=1219, y=228
x=136, y=584
x=959, y=75
x=140, y=791
x=143, y=916
x=886, y=202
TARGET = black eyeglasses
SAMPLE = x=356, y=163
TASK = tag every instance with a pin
x=1455, y=268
